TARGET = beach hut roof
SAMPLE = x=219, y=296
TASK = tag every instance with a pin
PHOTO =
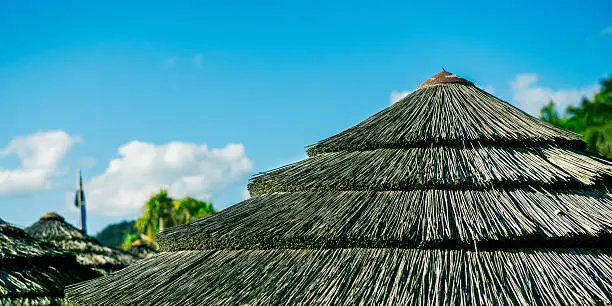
x=448, y=196
x=54, y=229
x=32, y=272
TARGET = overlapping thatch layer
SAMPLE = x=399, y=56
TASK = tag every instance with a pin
x=448, y=197
x=359, y=277
x=54, y=229
x=438, y=167
x=33, y=273
x=407, y=219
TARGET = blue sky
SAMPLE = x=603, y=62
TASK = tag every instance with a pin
x=253, y=81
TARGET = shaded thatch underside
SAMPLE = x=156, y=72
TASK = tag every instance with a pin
x=420, y=218
x=42, y=278
x=88, y=251
x=32, y=301
x=15, y=243
x=438, y=167
x=32, y=272
x=358, y=277
x=450, y=114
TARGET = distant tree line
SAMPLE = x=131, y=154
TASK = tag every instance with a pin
x=592, y=119
x=161, y=212
x=113, y=235
x=158, y=213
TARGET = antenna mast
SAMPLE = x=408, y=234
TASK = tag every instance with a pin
x=79, y=202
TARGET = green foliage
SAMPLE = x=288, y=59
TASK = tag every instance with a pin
x=128, y=239
x=156, y=214
x=161, y=211
x=549, y=114
x=113, y=235
x=189, y=209
x=592, y=119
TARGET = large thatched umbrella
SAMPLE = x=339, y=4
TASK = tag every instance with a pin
x=32, y=272
x=54, y=229
x=449, y=196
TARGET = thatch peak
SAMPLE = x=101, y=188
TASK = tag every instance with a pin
x=52, y=216
x=53, y=226
x=447, y=110
x=444, y=77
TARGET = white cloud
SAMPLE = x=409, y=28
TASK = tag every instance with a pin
x=197, y=60
x=398, y=95
x=530, y=97
x=39, y=155
x=606, y=31
x=183, y=168
x=246, y=195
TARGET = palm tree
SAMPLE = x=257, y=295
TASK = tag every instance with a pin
x=161, y=212
x=189, y=209
x=129, y=239
x=157, y=214
x=592, y=118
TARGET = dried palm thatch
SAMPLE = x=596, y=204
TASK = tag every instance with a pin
x=448, y=197
x=358, y=277
x=32, y=272
x=54, y=229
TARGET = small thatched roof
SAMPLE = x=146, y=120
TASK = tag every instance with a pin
x=32, y=272
x=54, y=229
x=448, y=197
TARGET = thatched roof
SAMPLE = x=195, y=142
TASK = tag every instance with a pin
x=449, y=196
x=54, y=229
x=32, y=272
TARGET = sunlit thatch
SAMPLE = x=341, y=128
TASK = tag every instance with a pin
x=448, y=197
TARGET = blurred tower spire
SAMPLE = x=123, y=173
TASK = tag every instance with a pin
x=79, y=202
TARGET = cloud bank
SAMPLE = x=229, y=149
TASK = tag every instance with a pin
x=530, y=97
x=39, y=155
x=183, y=168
